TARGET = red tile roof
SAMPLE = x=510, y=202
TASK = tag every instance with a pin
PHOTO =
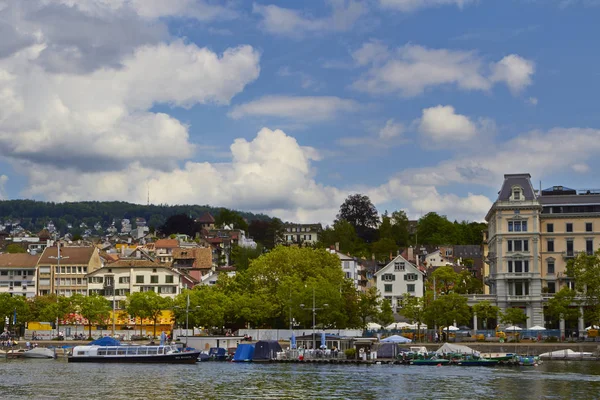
x=77, y=255
x=166, y=244
x=18, y=260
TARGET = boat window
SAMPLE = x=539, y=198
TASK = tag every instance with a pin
x=111, y=351
x=132, y=350
x=161, y=350
x=121, y=351
x=142, y=350
x=101, y=352
x=152, y=350
x=81, y=353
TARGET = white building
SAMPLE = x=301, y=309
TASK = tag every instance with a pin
x=350, y=267
x=130, y=276
x=18, y=274
x=436, y=259
x=397, y=278
x=302, y=234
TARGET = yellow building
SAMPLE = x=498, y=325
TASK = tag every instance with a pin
x=531, y=236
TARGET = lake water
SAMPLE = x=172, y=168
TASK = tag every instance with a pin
x=56, y=379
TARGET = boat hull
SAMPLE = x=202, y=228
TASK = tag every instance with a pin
x=478, y=363
x=175, y=358
x=39, y=353
x=429, y=362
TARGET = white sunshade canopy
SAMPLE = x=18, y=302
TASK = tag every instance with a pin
x=450, y=328
x=513, y=328
x=537, y=328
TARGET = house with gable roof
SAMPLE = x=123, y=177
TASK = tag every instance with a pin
x=399, y=277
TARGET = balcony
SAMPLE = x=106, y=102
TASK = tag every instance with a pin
x=519, y=275
x=519, y=298
x=567, y=255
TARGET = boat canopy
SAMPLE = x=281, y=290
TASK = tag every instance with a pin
x=244, y=352
x=105, y=341
x=448, y=348
x=266, y=350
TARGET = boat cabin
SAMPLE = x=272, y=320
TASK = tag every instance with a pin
x=93, y=351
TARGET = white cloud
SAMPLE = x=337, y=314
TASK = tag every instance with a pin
x=3, y=180
x=412, y=69
x=391, y=129
x=303, y=108
x=541, y=153
x=515, y=71
x=533, y=101
x=580, y=168
x=441, y=124
x=412, y=5
x=101, y=120
x=291, y=22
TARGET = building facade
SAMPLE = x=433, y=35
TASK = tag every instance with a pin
x=398, y=278
x=531, y=236
x=301, y=234
x=64, y=272
x=18, y=274
x=130, y=276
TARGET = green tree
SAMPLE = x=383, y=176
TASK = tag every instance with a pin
x=563, y=305
x=445, y=279
x=15, y=248
x=400, y=229
x=386, y=314
x=343, y=233
x=383, y=248
x=136, y=308
x=413, y=308
x=468, y=284
x=368, y=303
x=242, y=256
x=359, y=211
x=513, y=316
x=154, y=305
x=486, y=312
x=231, y=218
x=95, y=308
x=435, y=230
x=448, y=309
x=585, y=270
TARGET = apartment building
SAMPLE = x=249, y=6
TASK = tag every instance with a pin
x=64, y=270
x=301, y=234
x=531, y=236
x=18, y=274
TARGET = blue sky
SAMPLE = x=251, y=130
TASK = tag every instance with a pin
x=287, y=107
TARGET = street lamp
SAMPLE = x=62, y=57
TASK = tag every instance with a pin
x=187, y=312
x=314, y=317
x=57, y=282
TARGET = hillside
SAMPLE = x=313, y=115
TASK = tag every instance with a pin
x=34, y=215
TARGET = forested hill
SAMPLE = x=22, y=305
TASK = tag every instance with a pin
x=34, y=215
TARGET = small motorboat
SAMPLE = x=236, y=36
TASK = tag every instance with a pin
x=566, y=354
x=18, y=353
x=39, y=352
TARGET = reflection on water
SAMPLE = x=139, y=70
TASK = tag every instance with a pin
x=49, y=379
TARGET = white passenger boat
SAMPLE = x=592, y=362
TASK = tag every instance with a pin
x=567, y=354
x=132, y=354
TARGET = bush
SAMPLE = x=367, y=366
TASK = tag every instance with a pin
x=350, y=353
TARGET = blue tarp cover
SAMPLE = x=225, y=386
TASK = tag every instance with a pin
x=266, y=350
x=105, y=341
x=217, y=351
x=244, y=352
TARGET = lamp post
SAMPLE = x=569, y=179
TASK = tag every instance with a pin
x=187, y=314
x=57, y=283
x=314, y=318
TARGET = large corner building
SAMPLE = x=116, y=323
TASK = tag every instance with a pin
x=531, y=236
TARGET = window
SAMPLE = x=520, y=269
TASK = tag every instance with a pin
x=388, y=277
x=154, y=279
x=96, y=279
x=169, y=279
x=517, y=226
x=139, y=279
x=550, y=228
x=570, y=252
x=551, y=287
x=550, y=267
x=518, y=266
x=387, y=288
x=448, y=252
x=569, y=227
x=589, y=246
x=124, y=279
x=348, y=275
x=399, y=266
x=410, y=288
x=550, y=244
x=516, y=192
x=410, y=277
x=518, y=245
x=588, y=227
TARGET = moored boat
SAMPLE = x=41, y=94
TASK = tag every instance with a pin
x=39, y=352
x=18, y=353
x=430, y=361
x=477, y=362
x=132, y=354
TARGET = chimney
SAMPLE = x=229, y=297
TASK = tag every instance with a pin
x=398, y=252
x=373, y=256
x=391, y=256
x=411, y=254
x=337, y=246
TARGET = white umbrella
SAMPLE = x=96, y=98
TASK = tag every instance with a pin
x=450, y=328
x=373, y=326
x=592, y=327
x=415, y=326
x=397, y=325
x=537, y=328
x=513, y=328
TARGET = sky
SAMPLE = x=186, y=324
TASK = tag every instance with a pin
x=287, y=107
